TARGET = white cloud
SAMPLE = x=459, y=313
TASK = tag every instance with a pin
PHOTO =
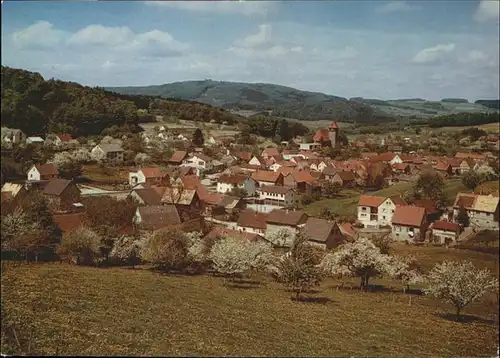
x=433, y=54
x=395, y=6
x=108, y=64
x=101, y=35
x=40, y=35
x=247, y=8
x=488, y=10
x=261, y=38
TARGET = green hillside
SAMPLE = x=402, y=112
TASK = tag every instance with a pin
x=293, y=103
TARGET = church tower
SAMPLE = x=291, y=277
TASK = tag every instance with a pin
x=333, y=134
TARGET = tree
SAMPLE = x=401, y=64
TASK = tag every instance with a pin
x=298, y=270
x=459, y=283
x=234, y=256
x=405, y=270
x=330, y=189
x=81, y=246
x=471, y=179
x=362, y=258
x=166, y=250
x=126, y=250
x=462, y=216
x=430, y=185
x=198, y=138
x=70, y=169
x=239, y=192
x=280, y=238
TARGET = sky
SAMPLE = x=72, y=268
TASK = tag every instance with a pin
x=372, y=49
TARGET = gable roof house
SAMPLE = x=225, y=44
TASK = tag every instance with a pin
x=178, y=157
x=376, y=211
x=265, y=177
x=271, y=153
x=409, y=223
x=61, y=194
x=277, y=195
x=322, y=233
x=60, y=139
x=483, y=210
x=444, y=168
x=146, y=196
x=228, y=182
x=12, y=191
x=108, y=152
x=343, y=178
x=284, y=221
x=13, y=135
x=252, y=221
x=185, y=200
x=444, y=232
x=153, y=176
x=43, y=172
x=155, y=217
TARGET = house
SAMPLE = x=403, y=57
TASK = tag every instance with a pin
x=282, y=163
x=252, y=222
x=243, y=156
x=277, y=195
x=286, y=221
x=201, y=162
x=227, y=182
x=291, y=154
x=444, y=232
x=328, y=136
x=444, y=168
x=146, y=196
x=225, y=232
x=466, y=165
x=375, y=211
x=60, y=139
x=155, y=217
x=61, y=194
x=430, y=209
x=256, y=161
x=409, y=223
x=185, y=200
x=401, y=168
x=43, y=172
x=265, y=177
x=481, y=209
x=388, y=157
x=68, y=222
x=177, y=158
x=270, y=153
x=344, y=179
x=152, y=176
x=107, y=152
x=14, y=136
x=12, y=191
x=309, y=146
x=329, y=172
x=33, y=140
x=302, y=180
x=321, y=233
x=318, y=165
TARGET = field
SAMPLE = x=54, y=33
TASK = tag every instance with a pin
x=69, y=310
x=188, y=127
x=489, y=127
x=346, y=206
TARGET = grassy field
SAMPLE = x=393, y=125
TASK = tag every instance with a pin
x=488, y=127
x=68, y=310
x=347, y=205
x=97, y=173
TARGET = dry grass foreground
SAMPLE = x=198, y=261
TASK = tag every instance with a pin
x=70, y=310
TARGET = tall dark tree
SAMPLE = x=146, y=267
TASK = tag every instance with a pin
x=198, y=138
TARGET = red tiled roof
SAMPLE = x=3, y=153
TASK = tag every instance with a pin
x=265, y=175
x=47, y=169
x=232, y=178
x=178, y=156
x=153, y=172
x=242, y=155
x=445, y=225
x=400, y=166
x=334, y=125
x=302, y=176
x=442, y=166
x=386, y=157
x=322, y=135
x=65, y=137
x=253, y=219
x=371, y=201
x=347, y=227
x=155, y=217
x=271, y=152
x=427, y=204
x=346, y=176
x=465, y=200
x=408, y=215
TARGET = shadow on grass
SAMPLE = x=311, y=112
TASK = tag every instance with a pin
x=466, y=319
x=312, y=299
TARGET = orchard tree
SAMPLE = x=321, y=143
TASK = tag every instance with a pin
x=362, y=258
x=233, y=256
x=81, y=246
x=430, y=185
x=405, y=270
x=459, y=283
x=166, y=250
x=126, y=251
x=298, y=270
x=330, y=189
x=472, y=179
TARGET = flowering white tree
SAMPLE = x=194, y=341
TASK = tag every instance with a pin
x=235, y=256
x=126, y=250
x=405, y=270
x=279, y=238
x=360, y=258
x=82, y=245
x=141, y=158
x=459, y=283
x=20, y=233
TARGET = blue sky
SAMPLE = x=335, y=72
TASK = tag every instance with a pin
x=374, y=49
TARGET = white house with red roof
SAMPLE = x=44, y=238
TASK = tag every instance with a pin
x=43, y=172
x=60, y=139
x=154, y=176
x=409, y=223
x=376, y=211
x=444, y=232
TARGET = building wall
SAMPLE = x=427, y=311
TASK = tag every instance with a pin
x=481, y=219
x=249, y=229
x=290, y=181
x=224, y=188
x=97, y=153
x=381, y=217
x=254, y=161
x=279, y=199
x=333, y=134
x=33, y=174
x=442, y=236
x=249, y=186
x=403, y=233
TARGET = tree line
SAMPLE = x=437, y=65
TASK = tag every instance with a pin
x=463, y=119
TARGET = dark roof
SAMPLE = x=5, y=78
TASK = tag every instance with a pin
x=56, y=186
x=287, y=217
x=346, y=176
x=427, y=204
x=47, y=169
x=253, y=219
x=156, y=217
x=149, y=196
x=330, y=170
x=275, y=189
x=232, y=178
x=318, y=229
x=69, y=222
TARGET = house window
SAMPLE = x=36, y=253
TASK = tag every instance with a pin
x=383, y=217
x=363, y=208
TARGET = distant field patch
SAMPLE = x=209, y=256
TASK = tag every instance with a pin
x=488, y=127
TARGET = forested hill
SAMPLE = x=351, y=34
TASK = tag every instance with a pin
x=293, y=103
x=39, y=106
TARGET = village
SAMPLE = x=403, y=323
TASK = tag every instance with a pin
x=254, y=193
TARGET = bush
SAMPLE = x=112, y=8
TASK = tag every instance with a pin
x=81, y=246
